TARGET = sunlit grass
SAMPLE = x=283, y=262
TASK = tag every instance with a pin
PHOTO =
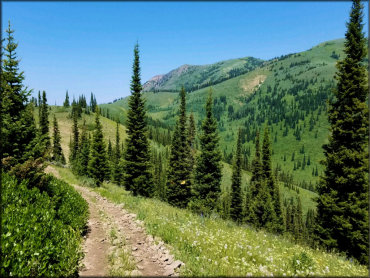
x=212, y=246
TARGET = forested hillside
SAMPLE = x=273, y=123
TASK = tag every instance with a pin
x=289, y=94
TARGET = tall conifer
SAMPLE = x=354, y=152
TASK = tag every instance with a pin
x=74, y=144
x=272, y=186
x=57, y=154
x=207, y=177
x=342, y=205
x=17, y=122
x=179, y=171
x=137, y=173
x=98, y=165
x=236, y=183
x=66, y=101
x=84, y=152
x=117, y=167
x=191, y=141
x=44, y=118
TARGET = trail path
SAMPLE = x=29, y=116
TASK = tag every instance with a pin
x=116, y=243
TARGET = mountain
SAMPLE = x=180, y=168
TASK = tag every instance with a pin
x=288, y=93
x=196, y=77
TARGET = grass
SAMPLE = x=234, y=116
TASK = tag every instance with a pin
x=215, y=247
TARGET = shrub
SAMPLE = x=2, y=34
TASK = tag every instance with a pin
x=302, y=264
x=40, y=234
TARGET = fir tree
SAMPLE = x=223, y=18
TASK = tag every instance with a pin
x=110, y=148
x=17, y=122
x=57, y=155
x=117, y=167
x=191, y=141
x=342, y=205
x=40, y=103
x=236, y=183
x=207, y=177
x=44, y=117
x=66, y=101
x=98, y=167
x=74, y=145
x=137, y=172
x=84, y=152
x=270, y=182
x=179, y=170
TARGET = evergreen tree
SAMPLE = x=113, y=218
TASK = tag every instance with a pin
x=110, y=148
x=117, y=167
x=236, y=184
x=260, y=209
x=66, y=101
x=207, y=177
x=17, y=123
x=270, y=182
x=74, y=145
x=191, y=141
x=255, y=183
x=40, y=103
x=98, y=166
x=342, y=205
x=44, y=118
x=57, y=155
x=137, y=172
x=84, y=152
x=179, y=170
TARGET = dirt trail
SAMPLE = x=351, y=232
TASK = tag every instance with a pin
x=116, y=243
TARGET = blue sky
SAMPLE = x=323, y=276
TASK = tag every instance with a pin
x=88, y=46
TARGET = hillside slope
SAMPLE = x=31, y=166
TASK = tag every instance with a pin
x=196, y=77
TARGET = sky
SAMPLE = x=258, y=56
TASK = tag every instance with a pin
x=86, y=47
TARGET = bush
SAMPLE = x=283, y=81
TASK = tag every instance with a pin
x=302, y=264
x=40, y=234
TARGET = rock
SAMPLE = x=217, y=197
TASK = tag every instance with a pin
x=176, y=264
x=134, y=248
x=168, y=272
x=116, y=241
x=170, y=261
x=139, y=267
x=136, y=273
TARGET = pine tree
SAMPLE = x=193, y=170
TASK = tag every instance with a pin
x=236, y=183
x=84, y=152
x=66, y=101
x=137, y=173
x=110, y=148
x=342, y=205
x=74, y=145
x=98, y=166
x=57, y=155
x=117, y=167
x=270, y=182
x=17, y=122
x=179, y=170
x=207, y=177
x=40, y=103
x=191, y=141
x=44, y=118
